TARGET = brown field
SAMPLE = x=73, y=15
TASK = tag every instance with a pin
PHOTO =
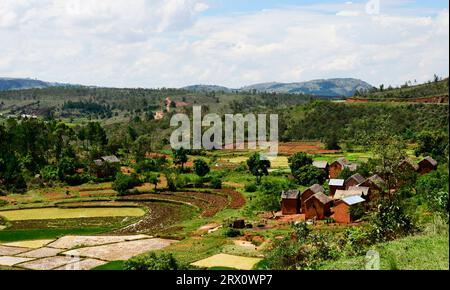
x=311, y=147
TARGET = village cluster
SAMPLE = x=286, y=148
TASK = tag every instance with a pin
x=343, y=195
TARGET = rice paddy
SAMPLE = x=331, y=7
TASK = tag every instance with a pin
x=72, y=213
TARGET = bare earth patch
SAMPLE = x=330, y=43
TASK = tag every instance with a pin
x=86, y=264
x=11, y=251
x=34, y=244
x=230, y=261
x=41, y=253
x=47, y=263
x=11, y=261
x=121, y=251
x=70, y=242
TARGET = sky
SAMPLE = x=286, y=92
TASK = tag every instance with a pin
x=174, y=43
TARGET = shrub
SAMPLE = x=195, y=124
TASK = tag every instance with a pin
x=251, y=187
x=309, y=175
x=357, y=239
x=232, y=233
x=171, y=181
x=201, y=168
x=391, y=221
x=301, y=231
x=197, y=181
x=216, y=183
x=77, y=179
x=50, y=173
x=269, y=198
x=182, y=181
x=124, y=183
x=432, y=189
x=153, y=262
x=299, y=160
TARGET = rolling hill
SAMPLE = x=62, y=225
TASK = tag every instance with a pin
x=344, y=87
x=22, y=84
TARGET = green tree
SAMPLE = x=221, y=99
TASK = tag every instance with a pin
x=153, y=262
x=180, y=157
x=258, y=167
x=201, y=168
x=299, y=160
x=309, y=175
x=434, y=144
x=124, y=183
x=153, y=178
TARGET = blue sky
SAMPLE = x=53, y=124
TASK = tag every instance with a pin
x=243, y=6
x=173, y=43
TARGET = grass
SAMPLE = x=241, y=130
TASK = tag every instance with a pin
x=63, y=213
x=111, y=266
x=423, y=252
x=196, y=248
x=48, y=233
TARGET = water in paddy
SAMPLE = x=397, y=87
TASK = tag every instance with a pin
x=70, y=213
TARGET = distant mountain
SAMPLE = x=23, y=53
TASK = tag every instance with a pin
x=207, y=88
x=343, y=87
x=21, y=84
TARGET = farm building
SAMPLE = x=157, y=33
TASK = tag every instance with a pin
x=322, y=165
x=343, y=209
x=408, y=165
x=318, y=206
x=354, y=180
x=316, y=188
x=339, y=165
x=359, y=191
x=365, y=191
x=376, y=184
x=290, y=202
x=427, y=165
x=336, y=184
x=107, y=159
x=105, y=166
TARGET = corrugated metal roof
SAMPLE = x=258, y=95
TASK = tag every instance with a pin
x=320, y=164
x=336, y=182
x=290, y=194
x=357, y=177
x=354, y=199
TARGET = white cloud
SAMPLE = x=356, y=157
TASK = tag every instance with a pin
x=169, y=43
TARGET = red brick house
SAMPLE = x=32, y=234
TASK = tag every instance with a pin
x=316, y=188
x=339, y=165
x=290, y=202
x=354, y=180
x=318, y=206
x=342, y=211
x=427, y=165
x=336, y=184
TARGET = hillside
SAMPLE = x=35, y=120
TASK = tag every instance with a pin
x=344, y=87
x=429, y=90
x=22, y=84
x=328, y=87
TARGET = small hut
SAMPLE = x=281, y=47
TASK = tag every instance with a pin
x=337, y=166
x=427, y=165
x=354, y=180
x=336, y=184
x=343, y=209
x=290, y=202
x=318, y=206
x=316, y=188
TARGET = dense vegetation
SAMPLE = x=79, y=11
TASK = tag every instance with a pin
x=437, y=87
